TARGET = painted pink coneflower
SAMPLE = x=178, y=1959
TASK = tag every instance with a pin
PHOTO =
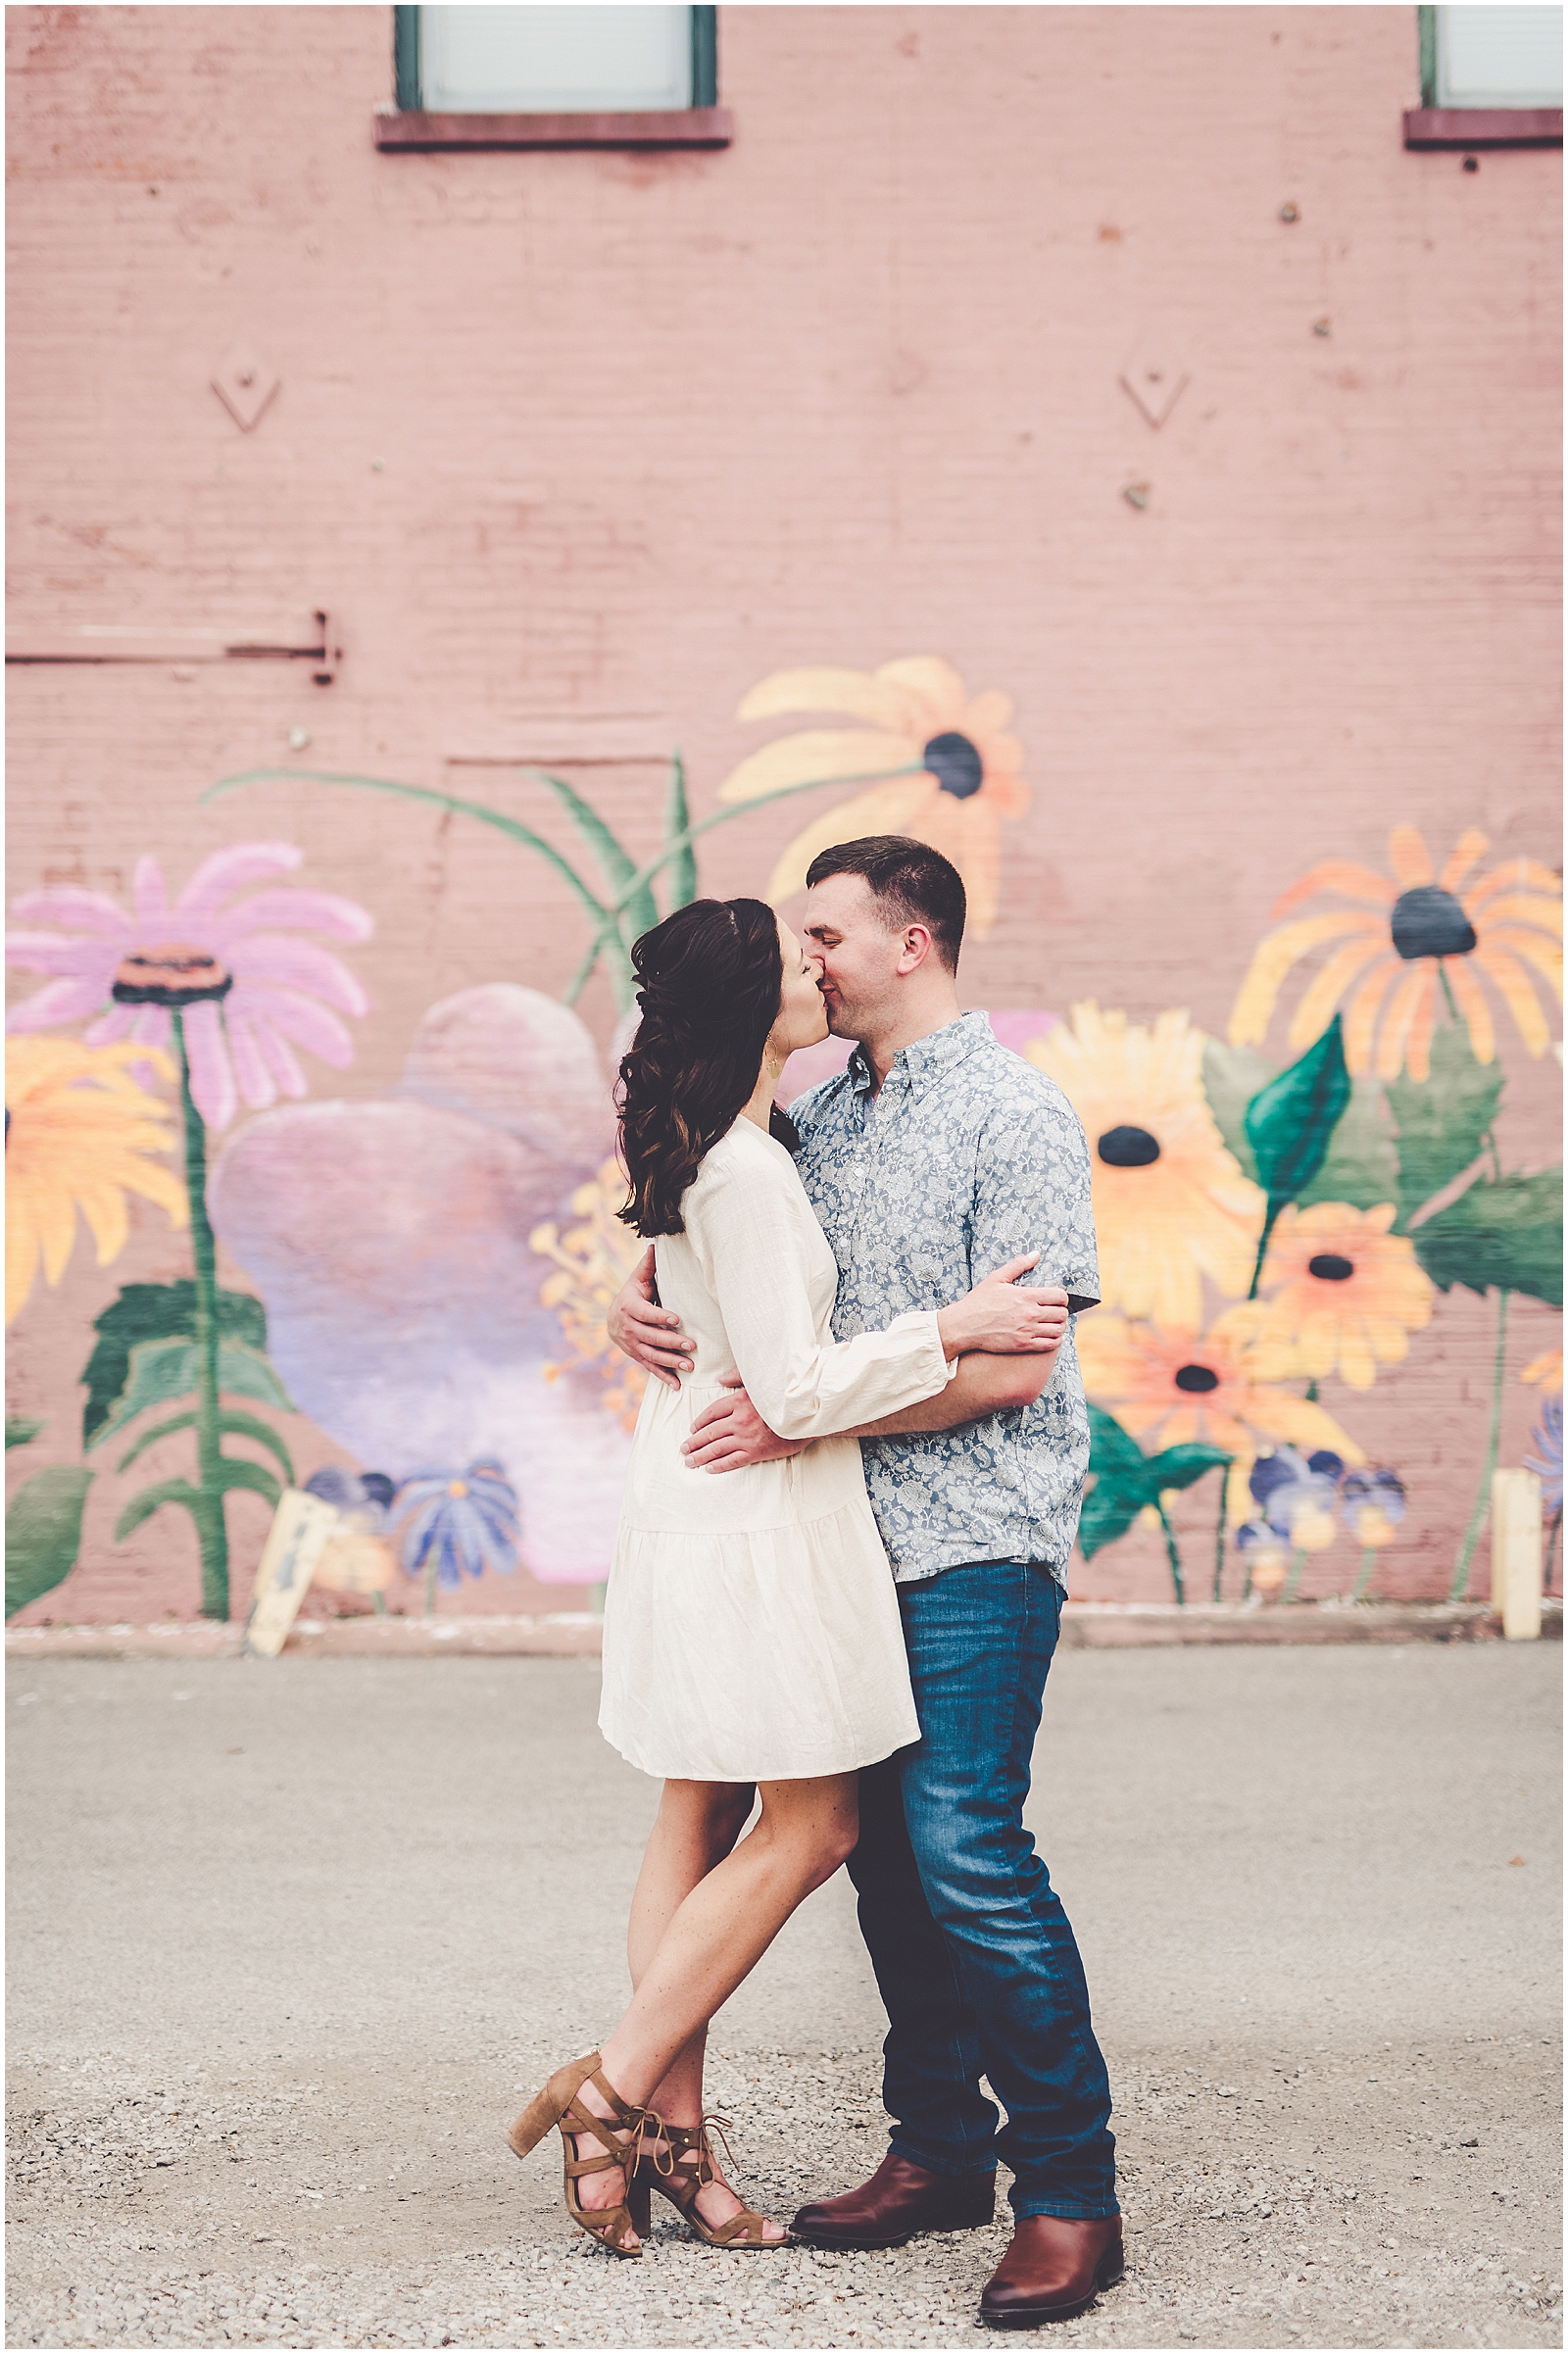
x=247, y=989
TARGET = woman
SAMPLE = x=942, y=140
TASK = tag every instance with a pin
x=752, y=1635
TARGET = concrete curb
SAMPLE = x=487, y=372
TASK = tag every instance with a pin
x=1087, y=1625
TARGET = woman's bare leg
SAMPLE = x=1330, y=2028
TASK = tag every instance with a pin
x=696, y=1828
x=716, y=1934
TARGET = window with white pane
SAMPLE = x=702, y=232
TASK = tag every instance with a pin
x=586, y=60
x=1491, y=57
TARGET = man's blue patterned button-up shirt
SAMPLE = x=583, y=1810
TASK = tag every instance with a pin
x=966, y=1157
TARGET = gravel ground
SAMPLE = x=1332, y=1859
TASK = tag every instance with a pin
x=287, y=1952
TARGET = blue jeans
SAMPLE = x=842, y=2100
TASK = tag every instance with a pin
x=973, y=1952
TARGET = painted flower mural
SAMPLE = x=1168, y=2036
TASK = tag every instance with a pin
x=592, y=1258
x=230, y=983
x=947, y=766
x=81, y=1136
x=1178, y=1388
x=393, y=1242
x=1406, y=943
x=457, y=1524
x=1347, y=1293
x=1171, y=1205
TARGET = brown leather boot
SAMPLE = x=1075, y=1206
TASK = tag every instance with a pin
x=1054, y=2269
x=900, y=2199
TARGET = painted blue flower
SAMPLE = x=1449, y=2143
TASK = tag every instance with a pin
x=1547, y=1457
x=459, y=1521
x=362, y=1497
x=1374, y=1505
x=1299, y=1495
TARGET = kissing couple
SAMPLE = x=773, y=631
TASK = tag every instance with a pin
x=839, y=1574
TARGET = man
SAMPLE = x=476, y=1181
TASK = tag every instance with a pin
x=936, y=1157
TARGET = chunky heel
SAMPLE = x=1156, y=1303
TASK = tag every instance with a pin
x=640, y=2203
x=619, y=2138
x=686, y=2167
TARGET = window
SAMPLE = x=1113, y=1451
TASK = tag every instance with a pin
x=1491, y=77
x=565, y=76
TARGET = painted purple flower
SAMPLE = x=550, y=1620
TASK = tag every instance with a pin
x=1298, y=1494
x=247, y=988
x=458, y=1522
x=1547, y=1457
x=1374, y=1506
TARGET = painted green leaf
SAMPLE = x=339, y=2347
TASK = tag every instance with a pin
x=1505, y=1234
x=152, y=1500
x=1361, y=1165
x=1232, y=1077
x=161, y=1370
x=253, y=1476
x=229, y=1419
x=642, y=911
x=43, y=1532
x=1126, y=1478
x=1441, y=1120
x=1180, y=1466
x=681, y=870
x=19, y=1430
x=154, y=1312
x=1290, y=1122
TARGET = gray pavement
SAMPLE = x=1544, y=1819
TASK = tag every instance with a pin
x=290, y=1941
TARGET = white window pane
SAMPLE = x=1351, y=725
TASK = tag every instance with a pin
x=1499, y=56
x=547, y=60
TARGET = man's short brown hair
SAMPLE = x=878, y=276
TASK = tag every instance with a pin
x=910, y=882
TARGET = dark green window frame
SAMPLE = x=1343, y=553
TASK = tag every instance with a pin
x=1430, y=126
x=406, y=59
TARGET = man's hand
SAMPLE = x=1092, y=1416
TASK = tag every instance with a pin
x=731, y=1433
x=650, y=1335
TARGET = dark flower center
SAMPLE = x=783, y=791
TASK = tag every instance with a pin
x=1199, y=1379
x=1330, y=1267
x=175, y=974
x=1128, y=1149
x=1429, y=923
x=955, y=764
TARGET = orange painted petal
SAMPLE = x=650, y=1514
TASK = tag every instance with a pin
x=892, y=809
x=816, y=755
x=1418, y=1046
x=1407, y=855
x=1311, y=1016
x=1335, y=874
x=1467, y=996
x=1006, y=796
x=1546, y=959
x=1469, y=846
x=1403, y=1007
x=1514, y=874
x=1509, y=974
x=970, y=834
x=823, y=689
x=1272, y=959
x=1524, y=907
x=1360, y=1017
x=989, y=712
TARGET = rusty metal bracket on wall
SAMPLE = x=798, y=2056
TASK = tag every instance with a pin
x=116, y=643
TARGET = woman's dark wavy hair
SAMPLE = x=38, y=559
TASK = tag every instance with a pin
x=710, y=980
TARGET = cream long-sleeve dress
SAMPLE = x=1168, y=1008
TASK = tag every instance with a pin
x=751, y=1631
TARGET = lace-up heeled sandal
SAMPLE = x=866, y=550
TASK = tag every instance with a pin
x=619, y=2138
x=681, y=2171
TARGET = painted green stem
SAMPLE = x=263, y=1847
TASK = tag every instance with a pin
x=1219, y=1532
x=1293, y=1578
x=207, y=1501
x=1461, y=1570
x=1369, y=1562
x=1550, y=1570
x=1175, y=1556
x=1275, y=1206
x=429, y=1586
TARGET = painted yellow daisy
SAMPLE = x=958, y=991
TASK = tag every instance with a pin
x=1174, y=1389
x=1347, y=1293
x=592, y=1260
x=917, y=716
x=1411, y=938
x=1170, y=1202
x=79, y=1133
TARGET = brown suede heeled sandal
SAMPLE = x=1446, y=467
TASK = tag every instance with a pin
x=619, y=2136
x=681, y=2173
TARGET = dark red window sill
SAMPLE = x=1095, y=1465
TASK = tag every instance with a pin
x=692, y=127
x=1484, y=127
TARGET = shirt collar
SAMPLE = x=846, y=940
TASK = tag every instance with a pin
x=925, y=1060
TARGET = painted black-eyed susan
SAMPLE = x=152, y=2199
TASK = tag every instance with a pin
x=947, y=765
x=1179, y=1388
x=1346, y=1293
x=81, y=1136
x=1171, y=1203
x=1404, y=942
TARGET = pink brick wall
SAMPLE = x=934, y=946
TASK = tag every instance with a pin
x=579, y=445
